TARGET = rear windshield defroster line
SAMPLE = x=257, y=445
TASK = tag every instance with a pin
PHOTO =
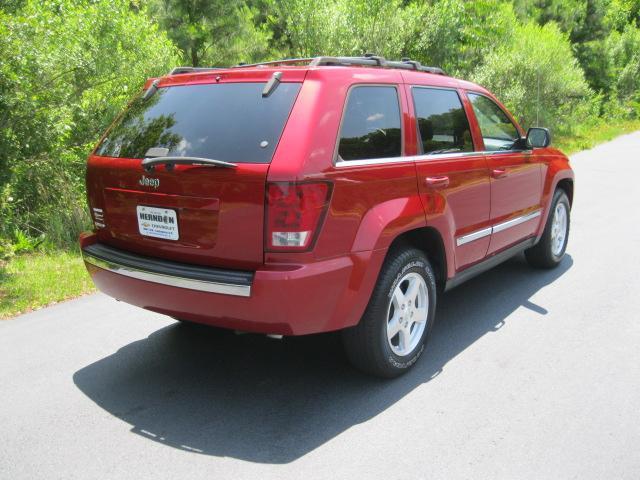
x=231, y=122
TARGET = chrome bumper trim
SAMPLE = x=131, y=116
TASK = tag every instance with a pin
x=180, y=282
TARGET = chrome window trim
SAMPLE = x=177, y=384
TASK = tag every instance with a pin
x=411, y=158
x=498, y=227
x=372, y=161
x=424, y=157
x=180, y=282
x=500, y=152
x=451, y=155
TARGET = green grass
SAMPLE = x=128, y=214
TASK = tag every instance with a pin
x=588, y=136
x=34, y=280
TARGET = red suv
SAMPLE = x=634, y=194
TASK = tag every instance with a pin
x=311, y=195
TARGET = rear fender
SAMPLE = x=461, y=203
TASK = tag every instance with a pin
x=379, y=227
x=386, y=221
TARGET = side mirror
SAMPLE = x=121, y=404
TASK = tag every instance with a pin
x=538, y=137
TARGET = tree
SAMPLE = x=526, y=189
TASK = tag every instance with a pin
x=623, y=54
x=537, y=78
x=346, y=27
x=589, y=23
x=213, y=32
x=622, y=13
x=457, y=35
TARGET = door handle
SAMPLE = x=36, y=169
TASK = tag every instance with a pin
x=437, y=182
x=499, y=172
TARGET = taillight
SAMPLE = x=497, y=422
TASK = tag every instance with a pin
x=294, y=213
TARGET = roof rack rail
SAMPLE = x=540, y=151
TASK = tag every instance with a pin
x=374, y=61
x=368, y=60
x=179, y=70
x=285, y=61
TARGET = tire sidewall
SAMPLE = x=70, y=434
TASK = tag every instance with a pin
x=418, y=264
x=560, y=197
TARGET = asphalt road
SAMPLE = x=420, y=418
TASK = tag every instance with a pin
x=529, y=375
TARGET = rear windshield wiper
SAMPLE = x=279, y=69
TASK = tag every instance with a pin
x=153, y=88
x=149, y=163
x=272, y=84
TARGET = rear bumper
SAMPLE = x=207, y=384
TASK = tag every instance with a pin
x=212, y=280
x=281, y=299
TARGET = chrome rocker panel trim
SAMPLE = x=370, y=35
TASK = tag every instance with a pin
x=516, y=221
x=485, y=232
x=488, y=263
x=499, y=227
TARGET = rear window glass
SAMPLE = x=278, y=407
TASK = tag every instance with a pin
x=371, y=124
x=230, y=122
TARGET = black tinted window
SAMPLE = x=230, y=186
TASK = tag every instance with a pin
x=442, y=123
x=497, y=130
x=371, y=124
x=230, y=122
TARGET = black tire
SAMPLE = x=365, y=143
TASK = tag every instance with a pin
x=541, y=255
x=366, y=344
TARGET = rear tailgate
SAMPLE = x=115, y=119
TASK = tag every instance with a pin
x=192, y=213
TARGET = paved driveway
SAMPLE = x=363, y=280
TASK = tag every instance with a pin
x=529, y=374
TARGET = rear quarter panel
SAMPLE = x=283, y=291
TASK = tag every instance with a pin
x=370, y=204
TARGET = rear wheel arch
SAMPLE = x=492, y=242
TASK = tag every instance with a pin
x=428, y=240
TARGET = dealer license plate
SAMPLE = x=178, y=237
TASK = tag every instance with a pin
x=157, y=222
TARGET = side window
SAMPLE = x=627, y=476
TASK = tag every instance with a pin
x=497, y=130
x=443, y=126
x=371, y=124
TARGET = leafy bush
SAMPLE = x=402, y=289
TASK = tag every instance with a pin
x=457, y=35
x=68, y=67
x=347, y=27
x=538, y=79
x=623, y=49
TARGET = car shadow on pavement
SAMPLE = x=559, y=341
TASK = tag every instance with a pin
x=269, y=401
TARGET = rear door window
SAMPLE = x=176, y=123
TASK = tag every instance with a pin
x=443, y=126
x=232, y=122
x=371, y=124
x=498, y=132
